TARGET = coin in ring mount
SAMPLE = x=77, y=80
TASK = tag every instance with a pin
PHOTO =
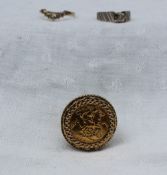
x=88, y=122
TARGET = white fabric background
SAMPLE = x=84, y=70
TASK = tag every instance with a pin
x=44, y=65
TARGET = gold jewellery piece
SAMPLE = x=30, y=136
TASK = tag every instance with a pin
x=56, y=15
x=115, y=17
x=88, y=122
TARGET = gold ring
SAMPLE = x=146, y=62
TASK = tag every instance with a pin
x=56, y=15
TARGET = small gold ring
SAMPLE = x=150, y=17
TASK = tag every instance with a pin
x=56, y=15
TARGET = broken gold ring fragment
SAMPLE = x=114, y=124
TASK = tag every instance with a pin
x=115, y=17
x=88, y=122
x=56, y=15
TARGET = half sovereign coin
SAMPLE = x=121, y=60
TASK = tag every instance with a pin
x=88, y=122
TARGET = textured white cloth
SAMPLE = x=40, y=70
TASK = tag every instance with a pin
x=44, y=65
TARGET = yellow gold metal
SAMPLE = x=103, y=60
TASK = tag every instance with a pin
x=56, y=15
x=88, y=122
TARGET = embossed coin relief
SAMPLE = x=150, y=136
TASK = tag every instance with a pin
x=88, y=122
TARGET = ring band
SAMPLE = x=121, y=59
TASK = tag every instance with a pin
x=56, y=15
x=115, y=17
